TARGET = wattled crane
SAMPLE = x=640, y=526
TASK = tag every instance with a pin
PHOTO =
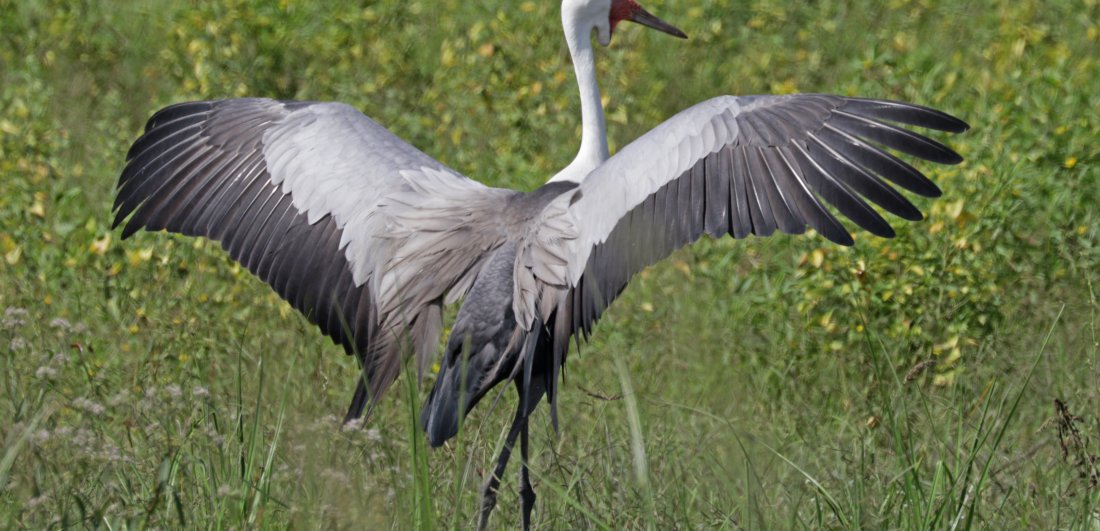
x=370, y=238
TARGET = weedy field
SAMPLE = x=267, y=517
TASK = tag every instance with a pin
x=943, y=379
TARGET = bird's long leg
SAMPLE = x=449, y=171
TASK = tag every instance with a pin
x=489, y=490
x=526, y=492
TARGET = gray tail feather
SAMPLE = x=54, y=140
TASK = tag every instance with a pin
x=529, y=352
x=439, y=416
x=359, y=402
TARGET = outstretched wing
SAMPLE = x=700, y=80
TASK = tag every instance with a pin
x=730, y=165
x=315, y=199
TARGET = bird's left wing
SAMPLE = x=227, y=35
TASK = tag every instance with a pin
x=730, y=165
x=357, y=229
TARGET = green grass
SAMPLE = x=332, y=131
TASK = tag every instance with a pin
x=767, y=383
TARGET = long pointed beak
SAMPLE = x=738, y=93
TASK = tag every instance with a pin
x=645, y=18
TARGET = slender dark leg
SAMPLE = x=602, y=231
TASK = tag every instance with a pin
x=489, y=490
x=526, y=492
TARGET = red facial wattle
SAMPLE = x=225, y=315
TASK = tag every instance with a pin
x=622, y=10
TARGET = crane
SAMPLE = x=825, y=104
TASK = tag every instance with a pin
x=370, y=238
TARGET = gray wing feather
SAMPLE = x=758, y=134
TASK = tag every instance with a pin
x=730, y=165
x=322, y=203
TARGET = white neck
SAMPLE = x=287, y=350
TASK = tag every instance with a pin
x=593, y=150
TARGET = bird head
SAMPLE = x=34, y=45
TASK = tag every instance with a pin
x=605, y=15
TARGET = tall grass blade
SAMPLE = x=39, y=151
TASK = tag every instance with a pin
x=423, y=513
x=16, y=446
x=637, y=442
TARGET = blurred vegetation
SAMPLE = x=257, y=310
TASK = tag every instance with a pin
x=781, y=382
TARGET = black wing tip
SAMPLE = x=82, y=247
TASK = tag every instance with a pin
x=913, y=215
x=879, y=227
x=931, y=191
x=165, y=118
x=120, y=212
x=118, y=219
x=840, y=238
x=957, y=126
x=846, y=239
x=946, y=122
x=952, y=159
x=131, y=227
x=926, y=116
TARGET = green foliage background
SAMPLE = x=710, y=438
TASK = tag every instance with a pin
x=154, y=383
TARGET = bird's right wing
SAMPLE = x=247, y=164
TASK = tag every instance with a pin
x=729, y=165
x=360, y=231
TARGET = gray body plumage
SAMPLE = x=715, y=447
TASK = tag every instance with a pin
x=483, y=347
